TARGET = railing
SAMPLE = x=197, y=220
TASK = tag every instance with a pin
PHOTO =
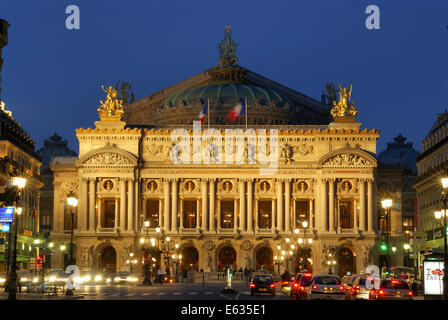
x=216, y=277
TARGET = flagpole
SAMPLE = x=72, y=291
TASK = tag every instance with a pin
x=208, y=112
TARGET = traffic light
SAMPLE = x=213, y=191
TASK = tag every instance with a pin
x=383, y=247
x=231, y=272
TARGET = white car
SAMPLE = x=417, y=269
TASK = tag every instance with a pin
x=328, y=287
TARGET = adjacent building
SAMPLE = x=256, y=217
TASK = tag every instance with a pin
x=213, y=191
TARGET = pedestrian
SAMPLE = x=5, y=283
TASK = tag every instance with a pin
x=160, y=275
x=246, y=274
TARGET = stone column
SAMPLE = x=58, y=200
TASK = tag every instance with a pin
x=92, y=198
x=369, y=206
x=144, y=216
x=257, y=225
x=122, y=204
x=249, y=206
x=160, y=213
x=279, y=205
x=242, y=199
x=100, y=211
x=273, y=215
x=331, y=204
x=130, y=205
x=204, y=226
x=287, y=205
x=235, y=215
x=362, y=205
x=137, y=205
x=181, y=222
x=324, y=206
x=339, y=214
x=212, y=205
x=166, y=205
x=197, y=214
x=219, y=214
x=355, y=215
x=116, y=215
x=174, y=205
x=83, y=205
x=311, y=214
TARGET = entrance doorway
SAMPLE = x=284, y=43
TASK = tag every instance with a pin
x=264, y=259
x=346, y=261
x=190, y=258
x=107, y=260
x=226, y=258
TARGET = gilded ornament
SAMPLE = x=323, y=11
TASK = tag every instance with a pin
x=343, y=107
x=111, y=109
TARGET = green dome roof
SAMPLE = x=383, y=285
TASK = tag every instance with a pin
x=226, y=94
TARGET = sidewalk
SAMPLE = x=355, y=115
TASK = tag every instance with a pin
x=41, y=296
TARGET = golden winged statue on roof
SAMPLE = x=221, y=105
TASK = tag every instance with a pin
x=112, y=108
x=344, y=107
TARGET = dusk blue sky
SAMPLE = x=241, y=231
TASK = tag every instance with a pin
x=52, y=76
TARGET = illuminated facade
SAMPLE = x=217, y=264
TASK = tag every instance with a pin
x=221, y=214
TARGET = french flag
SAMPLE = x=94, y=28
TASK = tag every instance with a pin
x=238, y=110
x=204, y=111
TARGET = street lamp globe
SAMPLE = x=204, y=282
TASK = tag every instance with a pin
x=146, y=223
x=19, y=182
x=386, y=203
x=406, y=246
x=71, y=200
x=444, y=181
x=305, y=224
x=438, y=214
x=19, y=210
x=142, y=240
x=310, y=241
x=394, y=249
x=158, y=229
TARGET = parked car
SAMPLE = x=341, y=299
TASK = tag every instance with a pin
x=300, y=286
x=262, y=284
x=392, y=289
x=326, y=287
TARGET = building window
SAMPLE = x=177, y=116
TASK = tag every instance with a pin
x=190, y=211
x=346, y=214
x=108, y=213
x=264, y=214
x=302, y=212
x=68, y=218
x=152, y=213
x=408, y=226
x=227, y=214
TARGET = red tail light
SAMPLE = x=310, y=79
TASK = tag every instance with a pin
x=308, y=274
x=357, y=288
x=314, y=287
x=272, y=285
x=296, y=285
x=381, y=292
x=285, y=282
x=252, y=285
x=302, y=288
x=341, y=288
x=410, y=293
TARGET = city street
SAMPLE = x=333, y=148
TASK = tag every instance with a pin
x=176, y=291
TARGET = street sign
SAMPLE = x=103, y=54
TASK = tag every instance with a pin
x=6, y=214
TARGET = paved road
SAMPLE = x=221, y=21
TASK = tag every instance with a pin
x=175, y=291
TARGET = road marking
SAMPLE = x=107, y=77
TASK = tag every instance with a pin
x=161, y=293
x=209, y=293
x=130, y=294
x=146, y=294
x=237, y=296
x=177, y=293
x=192, y=293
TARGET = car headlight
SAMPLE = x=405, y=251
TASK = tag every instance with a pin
x=131, y=279
x=117, y=279
x=36, y=279
x=2, y=280
x=24, y=279
x=98, y=278
x=108, y=280
x=52, y=279
x=87, y=278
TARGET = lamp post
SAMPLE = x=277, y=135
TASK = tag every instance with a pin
x=305, y=244
x=73, y=203
x=146, y=267
x=387, y=204
x=12, y=276
x=442, y=219
x=406, y=248
x=131, y=261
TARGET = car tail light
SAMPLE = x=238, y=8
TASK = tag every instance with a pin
x=252, y=285
x=341, y=288
x=410, y=293
x=285, y=282
x=296, y=285
x=357, y=288
x=314, y=287
x=308, y=274
x=302, y=288
x=272, y=285
x=381, y=292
